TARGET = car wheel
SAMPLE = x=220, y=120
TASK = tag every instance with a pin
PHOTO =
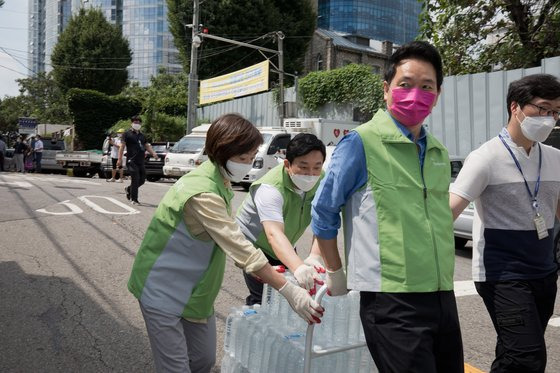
x=80, y=173
x=460, y=242
x=153, y=179
x=246, y=186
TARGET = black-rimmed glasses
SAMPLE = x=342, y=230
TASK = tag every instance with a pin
x=546, y=112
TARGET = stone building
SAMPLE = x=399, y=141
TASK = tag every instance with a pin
x=331, y=50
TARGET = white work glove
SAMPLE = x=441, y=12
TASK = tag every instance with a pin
x=302, y=303
x=307, y=276
x=336, y=282
x=315, y=261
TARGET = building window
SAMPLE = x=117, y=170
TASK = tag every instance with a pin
x=319, y=65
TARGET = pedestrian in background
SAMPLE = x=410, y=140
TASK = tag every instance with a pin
x=2, y=153
x=277, y=210
x=136, y=145
x=38, y=153
x=391, y=178
x=180, y=265
x=115, y=144
x=19, y=151
x=514, y=181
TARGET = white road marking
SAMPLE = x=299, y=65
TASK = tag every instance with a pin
x=96, y=207
x=51, y=179
x=555, y=321
x=21, y=184
x=73, y=209
x=463, y=288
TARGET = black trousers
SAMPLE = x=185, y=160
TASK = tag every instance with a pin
x=520, y=311
x=137, y=173
x=255, y=286
x=412, y=332
x=1, y=161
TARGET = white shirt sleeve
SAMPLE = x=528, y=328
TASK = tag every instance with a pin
x=473, y=177
x=269, y=202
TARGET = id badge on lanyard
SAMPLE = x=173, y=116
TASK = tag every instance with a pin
x=540, y=223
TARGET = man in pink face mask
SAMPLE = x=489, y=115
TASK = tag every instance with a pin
x=391, y=178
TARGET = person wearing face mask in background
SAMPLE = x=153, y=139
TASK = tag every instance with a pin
x=135, y=144
x=277, y=210
x=514, y=181
x=180, y=265
x=391, y=179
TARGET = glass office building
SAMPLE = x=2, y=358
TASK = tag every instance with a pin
x=143, y=23
x=392, y=20
x=146, y=28
x=57, y=14
x=36, y=36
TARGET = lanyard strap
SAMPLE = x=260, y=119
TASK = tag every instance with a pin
x=533, y=197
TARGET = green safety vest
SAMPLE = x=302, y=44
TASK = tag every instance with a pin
x=174, y=271
x=399, y=227
x=295, y=210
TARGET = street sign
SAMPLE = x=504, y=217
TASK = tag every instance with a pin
x=27, y=125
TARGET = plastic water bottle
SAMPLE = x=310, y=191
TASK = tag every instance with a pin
x=231, y=327
x=354, y=322
x=237, y=345
x=266, y=296
x=249, y=333
x=340, y=321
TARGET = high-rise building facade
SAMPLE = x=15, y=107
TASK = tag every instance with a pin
x=391, y=20
x=143, y=23
x=36, y=36
x=146, y=28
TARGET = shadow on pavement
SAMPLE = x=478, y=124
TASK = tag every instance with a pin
x=48, y=324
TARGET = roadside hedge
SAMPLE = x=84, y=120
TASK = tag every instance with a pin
x=95, y=112
x=354, y=84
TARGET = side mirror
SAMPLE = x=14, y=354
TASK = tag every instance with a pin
x=272, y=149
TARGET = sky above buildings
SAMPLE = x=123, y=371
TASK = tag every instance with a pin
x=13, y=45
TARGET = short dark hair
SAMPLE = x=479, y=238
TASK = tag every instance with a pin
x=303, y=144
x=420, y=50
x=524, y=90
x=231, y=135
x=136, y=118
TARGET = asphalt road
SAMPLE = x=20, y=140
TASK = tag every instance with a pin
x=67, y=246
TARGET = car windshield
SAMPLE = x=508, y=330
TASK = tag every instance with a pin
x=53, y=145
x=190, y=145
x=159, y=148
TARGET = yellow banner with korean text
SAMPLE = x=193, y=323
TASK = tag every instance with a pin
x=239, y=83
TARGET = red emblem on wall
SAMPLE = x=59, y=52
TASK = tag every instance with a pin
x=336, y=132
x=345, y=132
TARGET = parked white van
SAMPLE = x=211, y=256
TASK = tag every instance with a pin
x=187, y=153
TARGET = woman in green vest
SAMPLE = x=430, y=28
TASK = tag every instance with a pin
x=180, y=265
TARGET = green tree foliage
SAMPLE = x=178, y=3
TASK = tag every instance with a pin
x=245, y=20
x=91, y=53
x=43, y=99
x=95, y=112
x=353, y=84
x=11, y=108
x=484, y=35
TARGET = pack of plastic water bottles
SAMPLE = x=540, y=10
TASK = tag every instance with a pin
x=271, y=338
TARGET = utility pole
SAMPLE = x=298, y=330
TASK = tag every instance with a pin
x=282, y=113
x=193, y=73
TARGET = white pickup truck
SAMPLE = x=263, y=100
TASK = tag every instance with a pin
x=83, y=163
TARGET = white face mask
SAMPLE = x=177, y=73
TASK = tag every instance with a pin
x=136, y=126
x=237, y=170
x=304, y=182
x=537, y=128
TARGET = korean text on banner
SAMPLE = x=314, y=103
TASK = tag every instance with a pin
x=239, y=83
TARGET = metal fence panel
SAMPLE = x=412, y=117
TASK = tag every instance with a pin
x=471, y=108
